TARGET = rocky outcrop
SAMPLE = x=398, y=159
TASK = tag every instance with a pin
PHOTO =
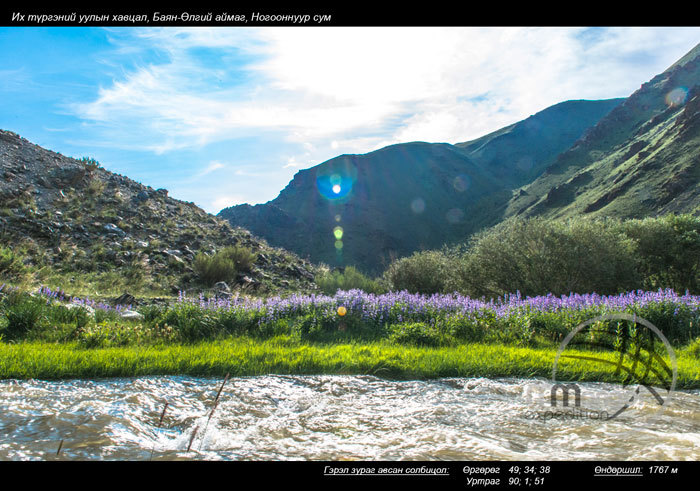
x=78, y=216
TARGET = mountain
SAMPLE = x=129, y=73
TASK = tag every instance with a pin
x=366, y=210
x=522, y=151
x=642, y=159
x=74, y=217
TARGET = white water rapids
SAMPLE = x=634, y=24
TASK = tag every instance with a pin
x=330, y=418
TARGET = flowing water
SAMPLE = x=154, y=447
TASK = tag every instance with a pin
x=331, y=418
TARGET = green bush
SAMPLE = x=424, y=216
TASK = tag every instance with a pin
x=11, y=265
x=416, y=334
x=537, y=257
x=90, y=163
x=24, y=313
x=423, y=272
x=224, y=265
x=693, y=348
x=349, y=279
x=668, y=251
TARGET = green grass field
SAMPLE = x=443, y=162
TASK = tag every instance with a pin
x=244, y=356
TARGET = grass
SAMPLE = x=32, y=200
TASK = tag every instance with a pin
x=245, y=356
x=40, y=337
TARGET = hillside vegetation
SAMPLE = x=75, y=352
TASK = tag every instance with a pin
x=536, y=256
x=70, y=223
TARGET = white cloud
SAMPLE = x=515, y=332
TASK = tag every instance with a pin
x=292, y=162
x=327, y=88
x=214, y=165
x=224, y=201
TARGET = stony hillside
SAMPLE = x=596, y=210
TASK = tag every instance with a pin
x=642, y=159
x=366, y=210
x=75, y=219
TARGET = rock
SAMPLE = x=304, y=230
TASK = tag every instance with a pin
x=71, y=306
x=222, y=286
x=125, y=299
x=142, y=196
x=171, y=254
x=248, y=282
x=112, y=228
x=65, y=176
x=304, y=273
x=130, y=315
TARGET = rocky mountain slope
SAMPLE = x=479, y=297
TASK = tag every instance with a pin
x=642, y=159
x=74, y=217
x=366, y=210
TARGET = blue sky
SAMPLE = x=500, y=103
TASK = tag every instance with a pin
x=223, y=116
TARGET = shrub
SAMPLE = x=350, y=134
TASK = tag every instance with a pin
x=693, y=348
x=24, y=313
x=536, y=257
x=416, y=333
x=423, y=272
x=349, y=279
x=668, y=251
x=90, y=163
x=11, y=265
x=223, y=265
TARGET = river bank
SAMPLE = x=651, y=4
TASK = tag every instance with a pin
x=244, y=356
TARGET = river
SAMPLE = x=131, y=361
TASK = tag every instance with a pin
x=331, y=418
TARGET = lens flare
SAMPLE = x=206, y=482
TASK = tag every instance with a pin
x=454, y=215
x=337, y=218
x=338, y=233
x=676, y=97
x=339, y=244
x=335, y=179
x=418, y=205
x=461, y=183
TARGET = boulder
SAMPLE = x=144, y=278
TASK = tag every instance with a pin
x=125, y=299
x=71, y=306
x=130, y=315
x=112, y=228
x=222, y=286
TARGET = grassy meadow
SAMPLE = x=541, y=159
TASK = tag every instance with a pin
x=394, y=335
x=433, y=314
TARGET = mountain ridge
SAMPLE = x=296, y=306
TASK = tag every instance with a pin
x=626, y=164
x=412, y=196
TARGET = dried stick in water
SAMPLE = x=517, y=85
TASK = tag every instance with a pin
x=216, y=403
x=192, y=438
x=162, y=415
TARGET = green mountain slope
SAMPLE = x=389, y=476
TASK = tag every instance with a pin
x=522, y=151
x=642, y=159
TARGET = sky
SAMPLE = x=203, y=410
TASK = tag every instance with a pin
x=223, y=116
